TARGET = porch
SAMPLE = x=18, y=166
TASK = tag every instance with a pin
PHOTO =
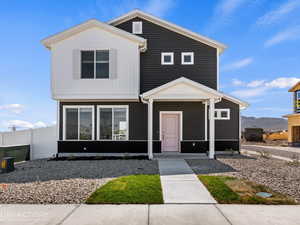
x=171, y=121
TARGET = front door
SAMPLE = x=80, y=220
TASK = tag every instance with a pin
x=170, y=127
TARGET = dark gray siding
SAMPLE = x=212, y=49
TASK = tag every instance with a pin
x=192, y=118
x=160, y=39
x=137, y=117
x=228, y=129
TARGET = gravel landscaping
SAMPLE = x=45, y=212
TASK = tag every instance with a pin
x=276, y=174
x=59, y=182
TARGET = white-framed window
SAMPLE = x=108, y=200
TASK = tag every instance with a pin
x=137, y=27
x=187, y=58
x=94, y=64
x=112, y=122
x=222, y=114
x=167, y=58
x=78, y=122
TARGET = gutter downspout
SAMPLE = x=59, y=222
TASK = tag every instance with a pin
x=150, y=124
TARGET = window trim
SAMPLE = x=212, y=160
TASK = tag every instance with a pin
x=95, y=62
x=98, y=121
x=219, y=112
x=163, y=54
x=187, y=54
x=65, y=107
x=133, y=27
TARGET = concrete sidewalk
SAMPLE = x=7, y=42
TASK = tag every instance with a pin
x=180, y=184
x=166, y=214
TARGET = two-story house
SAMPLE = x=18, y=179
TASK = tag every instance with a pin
x=294, y=118
x=140, y=85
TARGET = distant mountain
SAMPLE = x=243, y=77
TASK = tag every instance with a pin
x=267, y=123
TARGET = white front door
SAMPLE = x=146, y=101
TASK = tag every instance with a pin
x=170, y=134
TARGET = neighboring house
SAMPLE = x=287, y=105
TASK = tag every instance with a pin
x=294, y=119
x=139, y=84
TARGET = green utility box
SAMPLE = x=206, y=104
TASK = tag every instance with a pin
x=7, y=164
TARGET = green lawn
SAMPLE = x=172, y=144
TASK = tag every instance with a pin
x=230, y=190
x=134, y=189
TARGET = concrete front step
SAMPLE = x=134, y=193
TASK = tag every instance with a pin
x=178, y=155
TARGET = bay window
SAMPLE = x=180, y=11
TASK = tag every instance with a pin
x=78, y=123
x=112, y=122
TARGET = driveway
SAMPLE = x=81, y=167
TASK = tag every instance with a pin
x=288, y=152
x=167, y=214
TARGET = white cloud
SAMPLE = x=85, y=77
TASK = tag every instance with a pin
x=159, y=7
x=248, y=93
x=227, y=7
x=283, y=82
x=256, y=83
x=21, y=124
x=223, y=13
x=238, y=64
x=286, y=35
x=259, y=87
x=237, y=82
x=277, y=14
x=15, y=108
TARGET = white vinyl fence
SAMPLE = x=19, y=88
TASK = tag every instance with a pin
x=42, y=141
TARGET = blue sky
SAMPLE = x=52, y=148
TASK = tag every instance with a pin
x=259, y=66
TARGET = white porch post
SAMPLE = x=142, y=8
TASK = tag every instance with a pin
x=150, y=128
x=211, y=128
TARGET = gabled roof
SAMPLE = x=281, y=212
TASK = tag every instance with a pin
x=47, y=42
x=193, y=84
x=296, y=87
x=173, y=27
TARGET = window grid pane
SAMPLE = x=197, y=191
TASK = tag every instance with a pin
x=113, y=123
x=71, y=124
x=187, y=58
x=105, y=119
x=120, y=123
x=86, y=123
x=87, y=64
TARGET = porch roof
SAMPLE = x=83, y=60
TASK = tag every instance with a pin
x=184, y=89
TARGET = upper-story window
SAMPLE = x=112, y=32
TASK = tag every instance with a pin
x=95, y=64
x=187, y=58
x=137, y=27
x=167, y=58
x=222, y=114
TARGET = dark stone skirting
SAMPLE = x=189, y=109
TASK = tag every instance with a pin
x=139, y=146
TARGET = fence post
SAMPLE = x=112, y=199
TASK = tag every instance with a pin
x=31, y=144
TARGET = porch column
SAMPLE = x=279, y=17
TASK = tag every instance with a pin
x=211, y=128
x=150, y=129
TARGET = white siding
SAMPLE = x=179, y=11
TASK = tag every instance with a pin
x=124, y=85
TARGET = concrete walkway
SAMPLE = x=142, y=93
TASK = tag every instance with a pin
x=180, y=184
x=166, y=214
